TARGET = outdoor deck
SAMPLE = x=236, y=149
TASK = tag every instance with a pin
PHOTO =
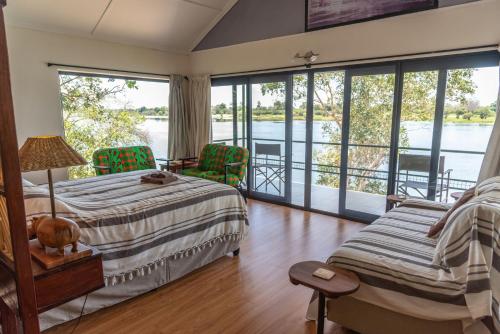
x=327, y=199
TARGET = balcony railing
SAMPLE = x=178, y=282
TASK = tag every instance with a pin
x=455, y=184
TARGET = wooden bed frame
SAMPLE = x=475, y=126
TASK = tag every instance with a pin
x=18, y=308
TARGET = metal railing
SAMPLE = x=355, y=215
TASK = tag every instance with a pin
x=372, y=174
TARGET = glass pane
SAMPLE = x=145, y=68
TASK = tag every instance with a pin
x=327, y=125
x=370, y=122
x=299, y=138
x=268, y=138
x=416, y=132
x=222, y=114
x=470, y=111
x=112, y=112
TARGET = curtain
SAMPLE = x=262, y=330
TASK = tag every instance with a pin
x=199, y=109
x=491, y=162
x=178, y=120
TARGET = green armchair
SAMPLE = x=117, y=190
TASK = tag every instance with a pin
x=123, y=159
x=221, y=163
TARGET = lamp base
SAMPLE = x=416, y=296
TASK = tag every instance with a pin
x=51, y=257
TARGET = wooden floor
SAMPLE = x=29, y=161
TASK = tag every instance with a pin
x=246, y=294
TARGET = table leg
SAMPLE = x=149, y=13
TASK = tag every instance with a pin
x=321, y=313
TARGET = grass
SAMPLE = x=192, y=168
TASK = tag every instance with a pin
x=451, y=119
x=474, y=120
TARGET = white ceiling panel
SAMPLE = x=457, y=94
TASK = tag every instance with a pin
x=164, y=24
x=172, y=25
x=64, y=16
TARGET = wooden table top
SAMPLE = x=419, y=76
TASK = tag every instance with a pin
x=343, y=283
x=396, y=198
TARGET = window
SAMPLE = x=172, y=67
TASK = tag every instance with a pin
x=228, y=114
x=468, y=123
x=222, y=114
x=327, y=135
x=357, y=133
x=103, y=112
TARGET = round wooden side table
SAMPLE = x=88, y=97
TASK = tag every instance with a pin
x=343, y=283
x=395, y=200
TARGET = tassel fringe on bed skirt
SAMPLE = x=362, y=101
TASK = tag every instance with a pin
x=147, y=269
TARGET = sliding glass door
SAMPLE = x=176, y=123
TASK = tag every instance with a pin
x=270, y=138
x=229, y=114
x=339, y=140
x=366, y=141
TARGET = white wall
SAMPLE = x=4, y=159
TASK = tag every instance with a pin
x=35, y=87
x=466, y=25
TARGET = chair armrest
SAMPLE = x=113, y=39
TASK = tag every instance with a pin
x=233, y=164
x=185, y=159
x=101, y=167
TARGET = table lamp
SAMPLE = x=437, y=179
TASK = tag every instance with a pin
x=47, y=153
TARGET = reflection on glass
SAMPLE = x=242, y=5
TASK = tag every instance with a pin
x=416, y=132
x=268, y=138
x=328, y=107
x=370, y=122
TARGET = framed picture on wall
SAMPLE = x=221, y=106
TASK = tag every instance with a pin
x=321, y=14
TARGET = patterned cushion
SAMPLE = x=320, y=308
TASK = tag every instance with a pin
x=212, y=157
x=123, y=159
x=198, y=172
x=237, y=154
x=232, y=179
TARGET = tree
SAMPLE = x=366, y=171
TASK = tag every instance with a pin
x=371, y=113
x=220, y=110
x=483, y=112
x=468, y=116
x=89, y=125
x=472, y=105
x=493, y=107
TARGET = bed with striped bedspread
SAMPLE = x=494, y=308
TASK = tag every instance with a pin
x=452, y=277
x=139, y=226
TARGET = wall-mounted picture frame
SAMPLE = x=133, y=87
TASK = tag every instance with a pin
x=322, y=14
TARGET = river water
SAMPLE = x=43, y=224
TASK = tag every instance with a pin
x=462, y=137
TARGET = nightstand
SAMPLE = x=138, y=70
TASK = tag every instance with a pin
x=66, y=282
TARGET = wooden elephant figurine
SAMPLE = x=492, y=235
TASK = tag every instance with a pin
x=56, y=233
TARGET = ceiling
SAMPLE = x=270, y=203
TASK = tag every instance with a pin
x=169, y=25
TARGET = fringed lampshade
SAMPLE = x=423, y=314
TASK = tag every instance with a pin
x=48, y=152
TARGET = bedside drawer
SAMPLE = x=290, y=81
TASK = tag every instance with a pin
x=65, y=283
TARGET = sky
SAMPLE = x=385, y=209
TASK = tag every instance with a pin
x=155, y=94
